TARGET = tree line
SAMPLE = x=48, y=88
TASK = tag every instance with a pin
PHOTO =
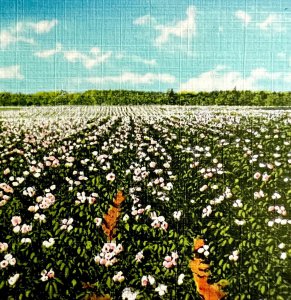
x=130, y=97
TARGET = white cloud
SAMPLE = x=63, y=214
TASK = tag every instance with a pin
x=221, y=79
x=287, y=77
x=50, y=52
x=133, y=78
x=11, y=72
x=18, y=33
x=243, y=16
x=272, y=22
x=144, y=20
x=145, y=61
x=95, y=57
x=262, y=73
x=43, y=26
x=184, y=29
x=7, y=37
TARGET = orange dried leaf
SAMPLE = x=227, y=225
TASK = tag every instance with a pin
x=197, y=267
x=95, y=297
x=201, y=274
x=87, y=285
x=208, y=291
x=119, y=198
x=106, y=297
x=111, y=218
x=198, y=243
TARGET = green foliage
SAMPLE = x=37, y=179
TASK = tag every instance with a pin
x=129, y=97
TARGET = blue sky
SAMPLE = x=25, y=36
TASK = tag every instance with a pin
x=145, y=45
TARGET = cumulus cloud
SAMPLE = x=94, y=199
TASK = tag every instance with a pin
x=50, y=52
x=43, y=26
x=19, y=32
x=133, y=78
x=145, y=61
x=287, y=77
x=222, y=79
x=88, y=59
x=144, y=20
x=94, y=57
x=11, y=72
x=243, y=16
x=272, y=22
x=185, y=29
x=7, y=38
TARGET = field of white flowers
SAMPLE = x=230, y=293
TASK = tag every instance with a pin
x=106, y=202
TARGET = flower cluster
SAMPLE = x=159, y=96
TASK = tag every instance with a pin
x=158, y=221
x=3, y=198
x=46, y=201
x=8, y=260
x=67, y=224
x=147, y=279
x=48, y=243
x=3, y=247
x=118, y=277
x=108, y=254
x=46, y=275
x=234, y=256
x=128, y=294
x=13, y=279
x=82, y=198
x=139, y=256
x=204, y=250
x=171, y=261
x=281, y=210
x=24, y=229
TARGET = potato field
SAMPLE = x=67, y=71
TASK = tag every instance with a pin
x=145, y=202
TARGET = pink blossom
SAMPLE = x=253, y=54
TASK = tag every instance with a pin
x=26, y=228
x=51, y=274
x=6, y=171
x=167, y=264
x=140, y=211
x=139, y=256
x=155, y=224
x=164, y=225
x=265, y=177
x=144, y=281
x=16, y=220
x=48, y=163
x=3, y=264
x=170, y=261
x=168, y=258
x=3, y=247
x=98, y=221
x=257, y=175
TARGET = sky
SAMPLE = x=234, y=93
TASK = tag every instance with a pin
x=150, y=45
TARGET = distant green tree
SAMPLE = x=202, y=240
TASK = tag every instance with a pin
x=172, y=97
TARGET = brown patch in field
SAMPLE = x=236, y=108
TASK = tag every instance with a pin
x=95, y=297
x=111, y=218
x=201, y=274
